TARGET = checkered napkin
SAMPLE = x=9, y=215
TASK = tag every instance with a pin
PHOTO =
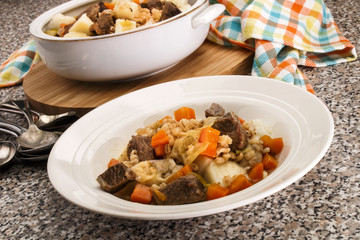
x=18, y=64
x=284, y=34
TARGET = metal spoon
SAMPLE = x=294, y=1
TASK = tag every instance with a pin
x=26, y=154
x=7, y=152
x=15, y=130
x=33, y=137
x=42, y=120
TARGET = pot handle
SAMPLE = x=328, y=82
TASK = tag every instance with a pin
x=207, y=15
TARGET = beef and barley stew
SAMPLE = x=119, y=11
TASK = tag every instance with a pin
x=180, y=159
x=114, y=17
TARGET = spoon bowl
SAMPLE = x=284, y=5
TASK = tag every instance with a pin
x=25, y=154
x=15, y=131
x=31, y=144
x=33, y=137
x=7, y=152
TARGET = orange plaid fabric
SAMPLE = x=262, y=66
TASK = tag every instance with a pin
x=284, y=35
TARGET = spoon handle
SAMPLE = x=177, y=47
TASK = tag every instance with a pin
x=11, y=107
x=9, y=132
x=10, y=110
x=22, y=106
x=11, y=127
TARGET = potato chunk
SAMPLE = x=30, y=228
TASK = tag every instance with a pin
x=75, y=35
x=82, y=25
x=125, y=10
x=221, y=173
x=59, y=19
x=122, y=25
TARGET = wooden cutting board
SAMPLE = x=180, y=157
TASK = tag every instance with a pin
x=50, y=93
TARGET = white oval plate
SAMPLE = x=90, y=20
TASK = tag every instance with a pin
x=83, y=151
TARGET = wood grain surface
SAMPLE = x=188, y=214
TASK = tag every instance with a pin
x=51, y=94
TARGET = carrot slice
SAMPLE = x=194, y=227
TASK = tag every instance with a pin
x=141, y=194
x=215, y=191
x=182, y=172
x=184, y=113
x=159, y=138
x=239, y=183
x=186, y=170
x=256, y=173
x=211, y=136
x=113, y=162
x=275, y=144
x=164, y=118
x=210, y=151
x=109, y=5
x=241, y=120
x=269, y=162
x=160, y=150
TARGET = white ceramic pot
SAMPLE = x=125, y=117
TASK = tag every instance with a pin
x=127, y=55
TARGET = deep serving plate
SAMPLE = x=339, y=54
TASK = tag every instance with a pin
x=83, y=151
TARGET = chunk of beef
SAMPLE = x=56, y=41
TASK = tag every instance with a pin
x=142, y=145
x=64, y=30
x=184, y=190
x=92, y=12
x=115, y=177
x=169, y=10
x=152, y=4
x=67, y=28
x=215, y=110
x=125, y=192
x=102, y=6
x=230, y=125
x=104, y=24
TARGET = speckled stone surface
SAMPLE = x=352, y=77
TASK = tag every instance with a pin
x=324, y=204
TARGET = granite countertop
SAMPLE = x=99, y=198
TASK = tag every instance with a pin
x=324, y=204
